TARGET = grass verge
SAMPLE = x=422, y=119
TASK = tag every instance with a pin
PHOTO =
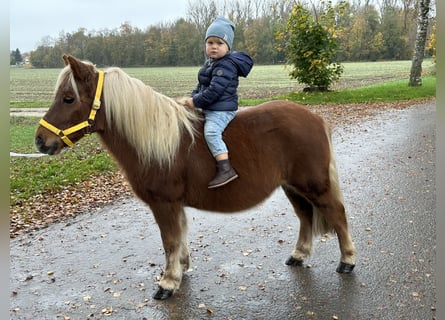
x=383, y=92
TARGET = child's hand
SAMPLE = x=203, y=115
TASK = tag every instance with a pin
x=186, y=101
x=189, y=103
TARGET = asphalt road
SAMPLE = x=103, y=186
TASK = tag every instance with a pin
x=104, y=264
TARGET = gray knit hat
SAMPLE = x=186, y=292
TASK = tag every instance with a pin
x=222, y=28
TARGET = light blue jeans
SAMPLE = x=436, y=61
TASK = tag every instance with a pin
x=214, y=125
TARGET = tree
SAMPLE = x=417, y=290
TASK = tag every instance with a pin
x=363, y=34
x=415, y=78
x=260, y=42
x=311, y=46
x=190, y=52
x=16, y=57
x=201, y=13
x=391, y=28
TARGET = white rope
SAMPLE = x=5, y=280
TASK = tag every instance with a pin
x=27, y=155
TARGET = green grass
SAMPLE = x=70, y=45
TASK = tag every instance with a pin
x=383, y=92
x=32, y=176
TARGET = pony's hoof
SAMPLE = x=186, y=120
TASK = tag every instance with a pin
x=162, y=294
x=345, y=268
x=294, y=262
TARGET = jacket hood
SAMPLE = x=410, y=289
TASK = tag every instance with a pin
x=242, y=61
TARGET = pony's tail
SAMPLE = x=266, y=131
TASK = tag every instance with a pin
x=319, y=224
x=320, y=227
x=333, y=172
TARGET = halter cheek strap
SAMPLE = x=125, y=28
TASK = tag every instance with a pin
x=63, y=134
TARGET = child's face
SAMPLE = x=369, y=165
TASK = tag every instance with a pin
x=216, y=48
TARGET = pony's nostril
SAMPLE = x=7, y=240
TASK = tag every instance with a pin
x=39, y=141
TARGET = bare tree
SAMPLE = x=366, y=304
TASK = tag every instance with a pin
x=408, y=12
x=415, y=78
x=201, y=13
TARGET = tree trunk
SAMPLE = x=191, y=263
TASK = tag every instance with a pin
x=415, y=78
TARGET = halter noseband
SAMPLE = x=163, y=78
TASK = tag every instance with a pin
x=63, y=134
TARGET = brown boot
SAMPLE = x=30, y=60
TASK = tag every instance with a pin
x=224, y=174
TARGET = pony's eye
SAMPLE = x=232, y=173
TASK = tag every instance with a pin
x=68, y=100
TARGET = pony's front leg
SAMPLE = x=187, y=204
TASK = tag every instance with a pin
x=173, y=226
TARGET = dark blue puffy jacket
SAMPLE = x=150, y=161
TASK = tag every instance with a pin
x=218, y=82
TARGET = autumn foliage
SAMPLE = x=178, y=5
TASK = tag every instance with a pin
x=311, y=46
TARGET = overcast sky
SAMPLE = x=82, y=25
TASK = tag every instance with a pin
x=31, y=20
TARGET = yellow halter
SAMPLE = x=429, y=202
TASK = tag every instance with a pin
x=87, y=123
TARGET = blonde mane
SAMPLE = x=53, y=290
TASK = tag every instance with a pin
x=152, y=122
x=68, y=75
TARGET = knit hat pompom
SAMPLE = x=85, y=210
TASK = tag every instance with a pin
x=222, y=28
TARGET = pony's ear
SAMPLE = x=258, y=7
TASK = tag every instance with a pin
x=80, y=70
x=65, y=59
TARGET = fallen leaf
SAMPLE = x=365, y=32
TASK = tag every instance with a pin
x=107, y=311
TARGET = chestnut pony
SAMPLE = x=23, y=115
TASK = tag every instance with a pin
x=159, y=146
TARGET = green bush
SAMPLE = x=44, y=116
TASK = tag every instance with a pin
x=311, y=47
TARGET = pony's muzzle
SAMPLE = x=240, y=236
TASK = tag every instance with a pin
x=50, y=149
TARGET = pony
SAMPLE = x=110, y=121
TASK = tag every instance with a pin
x=159, y=146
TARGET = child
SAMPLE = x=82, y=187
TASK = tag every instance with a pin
x=216, y=93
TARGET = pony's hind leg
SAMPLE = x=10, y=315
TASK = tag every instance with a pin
x=303, y=210
x=335, y=215
x=172, y=223
x=319, y=215
x=332, y=210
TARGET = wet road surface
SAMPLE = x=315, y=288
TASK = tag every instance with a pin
x=104, y=264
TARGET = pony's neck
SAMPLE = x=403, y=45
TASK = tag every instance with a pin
x=153, y=124
x=119, y=147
